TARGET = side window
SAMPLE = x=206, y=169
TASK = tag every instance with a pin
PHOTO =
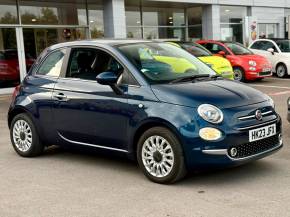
x=87, y=63
x=257, y=45
x=215, y=48
x=52, y=64
x=267, y=45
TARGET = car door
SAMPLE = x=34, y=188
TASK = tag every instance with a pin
x=86, y=112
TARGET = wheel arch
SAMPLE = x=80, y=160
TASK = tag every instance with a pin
x=16, y=111
x=147, y=124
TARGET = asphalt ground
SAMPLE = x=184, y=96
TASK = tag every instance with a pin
x=71, y=183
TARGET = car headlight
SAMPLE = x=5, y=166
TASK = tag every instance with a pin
x=252, y=63
x=210, y=134
x=210, y=113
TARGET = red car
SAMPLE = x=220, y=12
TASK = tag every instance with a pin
x=246, y=64
x=9, y=66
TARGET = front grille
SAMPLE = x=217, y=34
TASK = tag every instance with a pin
x=252, y=148
x=265, y=73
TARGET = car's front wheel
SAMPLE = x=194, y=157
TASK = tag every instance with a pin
x=24, y=137
x=239, y=74
x=281, y=71
x=160, y=156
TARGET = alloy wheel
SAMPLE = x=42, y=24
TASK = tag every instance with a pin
x=238, y=74
x=22, y=135
x=281, y=71
x=157, y=156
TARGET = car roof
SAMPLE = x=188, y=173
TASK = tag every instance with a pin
x=94, y=42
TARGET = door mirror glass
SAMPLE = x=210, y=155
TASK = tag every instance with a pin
x=107, y=78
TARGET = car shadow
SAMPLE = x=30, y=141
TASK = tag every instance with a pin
x=100, y=159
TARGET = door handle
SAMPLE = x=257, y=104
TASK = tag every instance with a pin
x=60, y=97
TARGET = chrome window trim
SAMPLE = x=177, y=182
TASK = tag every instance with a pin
x=92, y=145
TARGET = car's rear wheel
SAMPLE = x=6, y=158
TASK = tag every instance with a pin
x=160, y=156
x=24, y=137
x=281, y=71
x=239, y=74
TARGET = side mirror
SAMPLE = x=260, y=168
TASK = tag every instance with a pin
x=222, y=53
x=271, y=50
x=109, y=78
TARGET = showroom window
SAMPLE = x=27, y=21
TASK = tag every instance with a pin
x=40, y=24
x=71, y=12
x=96, y=21
x=133, y=22
x=232, y=23
x=8, y=12
x=194, y=16
x=163, y=23
x=268, y=30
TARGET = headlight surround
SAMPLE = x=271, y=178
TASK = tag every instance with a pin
x=252, y=63
x=210, y=134
x=272, y=102
x=210, y=113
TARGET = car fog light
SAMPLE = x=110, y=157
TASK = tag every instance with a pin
x=233, y=152
x=210, y=134
x=252, y=68
x=280, y=139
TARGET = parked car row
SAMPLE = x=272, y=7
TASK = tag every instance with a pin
x=229, y=59
x=153, y=101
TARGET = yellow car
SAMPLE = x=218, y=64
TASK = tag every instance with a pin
x=178, y=65
x=221, y=65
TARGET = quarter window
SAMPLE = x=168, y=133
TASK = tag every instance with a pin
x=52, y=64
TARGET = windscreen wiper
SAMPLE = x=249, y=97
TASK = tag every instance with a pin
x=215, y=77
x=189, y=78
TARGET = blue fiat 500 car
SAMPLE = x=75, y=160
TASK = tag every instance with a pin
x=150, y=100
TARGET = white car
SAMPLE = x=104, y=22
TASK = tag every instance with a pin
x=277, y=52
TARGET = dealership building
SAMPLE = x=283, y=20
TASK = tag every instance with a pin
x=29, y=26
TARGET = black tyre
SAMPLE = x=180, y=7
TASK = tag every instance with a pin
x=281, y=70
x=239, y=74
x=24, y=137
x=160, y=156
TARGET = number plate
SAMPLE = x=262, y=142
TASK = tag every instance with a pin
x=262, y=133
x=266, y=70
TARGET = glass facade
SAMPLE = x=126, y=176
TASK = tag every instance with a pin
x=268, y=30
x=231, y=19
x=194, y=16
x=8, y=12
x=150, y=22
x=42, y=24
x=9, y=64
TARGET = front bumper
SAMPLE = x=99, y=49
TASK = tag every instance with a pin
x=217, y=154
x=252, y=75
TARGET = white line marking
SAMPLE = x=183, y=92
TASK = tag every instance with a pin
x=270, y=86
x=279, y=93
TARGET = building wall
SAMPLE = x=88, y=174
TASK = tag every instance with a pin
x=271, y=15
